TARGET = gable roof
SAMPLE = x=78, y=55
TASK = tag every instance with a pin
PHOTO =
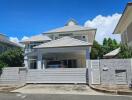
x=70, y=26
x=69, y=29
x=5, y=39
x=37, y=38
x=112, y=53
x=63, y=42
x=71, y=21
x=10, y=43
x=125, y=19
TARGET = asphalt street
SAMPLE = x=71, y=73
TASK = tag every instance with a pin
x=17, y=96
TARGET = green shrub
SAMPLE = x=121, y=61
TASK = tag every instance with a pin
x=2, y=65
x=125, y=51
x=98, y=50
x=12, y=58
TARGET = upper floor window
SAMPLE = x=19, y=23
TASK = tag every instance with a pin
x=61, y=35
x=66, y=34
x=77, y=37
x=81, y=37
x=84, y=38
x=33, y=44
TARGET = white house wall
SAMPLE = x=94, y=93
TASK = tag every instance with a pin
x=90, y=34
x=129, y=34
x=126, y=36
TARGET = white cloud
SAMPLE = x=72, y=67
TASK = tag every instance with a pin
x=105, y=26
x=25, y=37
x=14, y=39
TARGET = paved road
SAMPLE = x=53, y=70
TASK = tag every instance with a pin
x=60, y=97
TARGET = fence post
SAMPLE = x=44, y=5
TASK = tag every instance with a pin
x=131, y=71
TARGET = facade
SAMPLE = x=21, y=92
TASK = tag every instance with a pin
x=124, y=26
x=6, y=44
x=65, y=47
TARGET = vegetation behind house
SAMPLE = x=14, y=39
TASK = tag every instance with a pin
x=125, y=52
x=99, y=50
x=109, y=45
x=12, y=58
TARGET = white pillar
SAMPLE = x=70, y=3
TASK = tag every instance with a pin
x=26, y=62
x=131, y=71
x=39, y=61
x=87, y=56
x=44, y=64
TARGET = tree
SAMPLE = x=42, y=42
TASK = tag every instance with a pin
x=105, y=46
x=125, y=52
x=95, y=51
x=109, y=45
x=99, y=50
x=115, y=42
x=105, y=43
x=13, y=57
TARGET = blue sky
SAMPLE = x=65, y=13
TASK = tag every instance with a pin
x=20, y=18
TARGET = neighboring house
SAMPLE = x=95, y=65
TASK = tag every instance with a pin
x=65, y=47
x=124, y=26
x=6, y=44
x=112, y=54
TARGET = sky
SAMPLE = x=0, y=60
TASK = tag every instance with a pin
x=21, y=19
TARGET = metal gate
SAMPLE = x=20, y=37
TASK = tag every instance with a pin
x=57, y=75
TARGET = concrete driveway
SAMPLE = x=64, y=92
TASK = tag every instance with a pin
x=57, y=89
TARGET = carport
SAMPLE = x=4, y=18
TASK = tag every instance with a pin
x=75, y=52
x=66, y=49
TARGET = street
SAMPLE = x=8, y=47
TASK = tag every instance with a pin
x=17, y=96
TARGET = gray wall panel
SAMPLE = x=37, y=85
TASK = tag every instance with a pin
x=64, y=75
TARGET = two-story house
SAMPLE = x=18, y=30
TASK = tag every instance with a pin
x=6, y=44
x=64, y=47
x=124, y=26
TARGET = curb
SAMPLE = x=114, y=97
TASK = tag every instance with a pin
x=112, y=91
x=103, y=90
x=17, y=88
x=124, y=93
x=10, y=92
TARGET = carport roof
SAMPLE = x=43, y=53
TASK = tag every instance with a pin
x=64, y=42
